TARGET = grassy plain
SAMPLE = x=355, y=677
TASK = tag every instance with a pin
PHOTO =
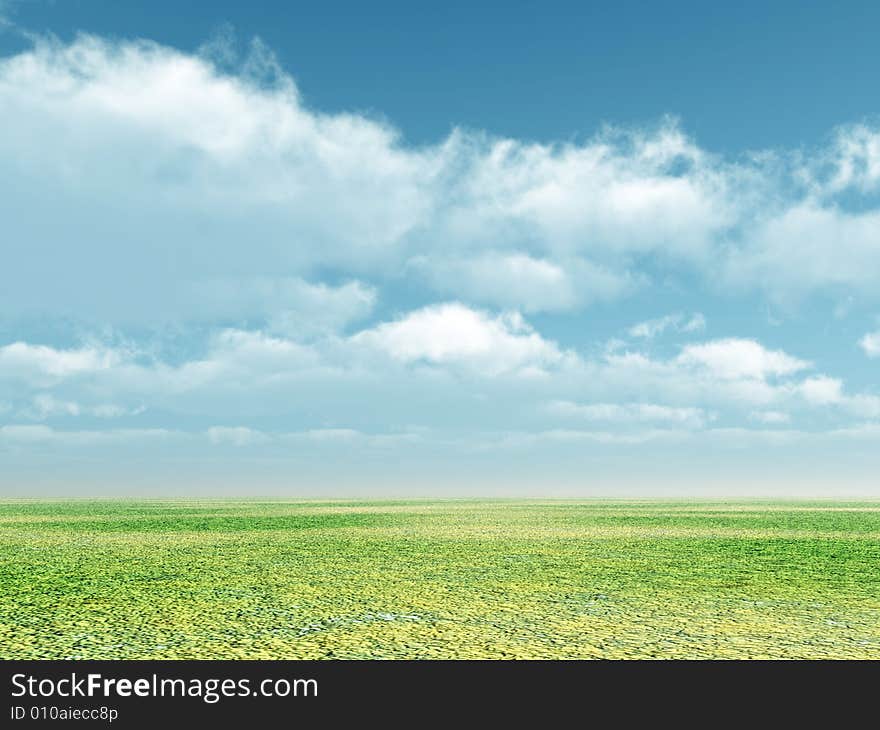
x=438, y=579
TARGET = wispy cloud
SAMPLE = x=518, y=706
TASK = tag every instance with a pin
x=649, y=329
x=630, y=413
x=770, y=417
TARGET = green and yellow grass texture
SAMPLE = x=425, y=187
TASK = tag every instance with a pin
x=274, y=579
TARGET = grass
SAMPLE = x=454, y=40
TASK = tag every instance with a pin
x=438, y=579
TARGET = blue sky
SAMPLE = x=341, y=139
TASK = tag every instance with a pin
x=549, y=250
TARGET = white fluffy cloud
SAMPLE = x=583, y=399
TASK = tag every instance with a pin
x=270, y=373
x=29, y=362
x=142, y=147
x=457, y=335
x=822, y=390
x=734, y=358
x=619, y=193
x=870, y=343
x=810, y=247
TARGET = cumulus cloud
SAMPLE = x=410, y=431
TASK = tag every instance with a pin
x=810, y=247
x=30, y=362
x=176, y=150
x=733, y=358
x=455, y=334
x=261, y=373
x=741, y=376
x=870, y=343
x=822, y=390
x=618, y=191
x=142, y=146
x=826, y=391
x=236, y=357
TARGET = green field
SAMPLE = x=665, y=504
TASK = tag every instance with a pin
x=438, y=579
